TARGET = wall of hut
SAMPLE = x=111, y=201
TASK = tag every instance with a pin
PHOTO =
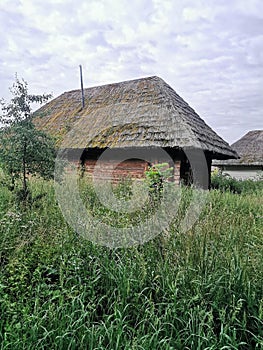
x=115, y=170
x=131, y=168
x=242, y=172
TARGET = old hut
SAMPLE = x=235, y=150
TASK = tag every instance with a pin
x=250, y=162
x=141, y=115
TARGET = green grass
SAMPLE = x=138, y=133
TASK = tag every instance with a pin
x=196, y=290
x=225, y=182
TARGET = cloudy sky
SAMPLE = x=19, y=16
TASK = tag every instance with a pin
x=209, y=51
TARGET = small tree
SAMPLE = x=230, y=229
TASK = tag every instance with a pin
x=24, y=150
x=156, y=175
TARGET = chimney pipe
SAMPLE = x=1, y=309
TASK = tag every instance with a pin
x=82, y=90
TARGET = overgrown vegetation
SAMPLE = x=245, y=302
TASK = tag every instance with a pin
x=199, y=290
x=156, y=175
x=224, y=182
x=24, y=150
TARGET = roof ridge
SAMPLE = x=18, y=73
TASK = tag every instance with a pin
x=151, y=77
x=255, y=130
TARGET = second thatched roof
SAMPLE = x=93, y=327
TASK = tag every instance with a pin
x=249, y=148
x=144, y=112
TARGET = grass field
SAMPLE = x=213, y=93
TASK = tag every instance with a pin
x=197, y=290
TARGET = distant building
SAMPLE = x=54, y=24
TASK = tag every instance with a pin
x=138, y=114
x=250, y=164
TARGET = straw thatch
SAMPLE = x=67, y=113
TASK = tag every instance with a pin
x=145, y=112
x=249, y=148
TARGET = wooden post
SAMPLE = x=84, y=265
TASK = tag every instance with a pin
x=177, y=166
x=82, y=89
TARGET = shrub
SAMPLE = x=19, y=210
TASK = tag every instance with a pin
x=156, y=175
x=225, y=182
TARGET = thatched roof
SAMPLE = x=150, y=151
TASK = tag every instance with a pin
x=249, y=149
x=145, y=112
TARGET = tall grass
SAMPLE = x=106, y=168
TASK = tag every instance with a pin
x=196, y=290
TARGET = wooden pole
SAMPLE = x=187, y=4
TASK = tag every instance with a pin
x=82, y=89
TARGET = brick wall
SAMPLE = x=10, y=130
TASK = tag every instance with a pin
x=133, y=168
